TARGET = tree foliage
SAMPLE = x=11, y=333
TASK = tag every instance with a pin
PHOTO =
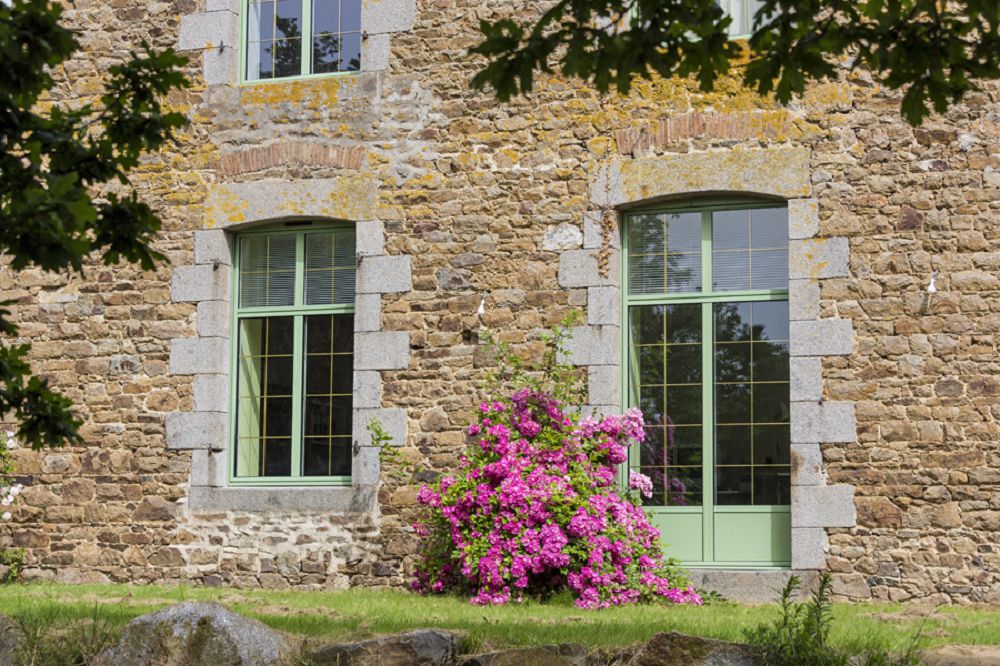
x=64, y=191
x=934, y=50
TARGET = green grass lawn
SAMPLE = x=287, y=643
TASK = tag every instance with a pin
x=353, y=614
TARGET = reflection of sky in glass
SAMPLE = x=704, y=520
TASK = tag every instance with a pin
x=336, y=36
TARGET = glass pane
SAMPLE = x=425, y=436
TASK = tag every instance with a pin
x=651, y=365
x=683, y=323
x=260, y=21
x=317, y=416
x=287, y=57
x=770, y=403
x=288, y=19
x=770, y=321
x=771, y=445
x=326, y=54
x=342, y=374
x=328, y=400
x=350, y=52
x=732, y=322
x=317, y=456
x=772, y=485
x=770, y=361
x=752, y=440
x=769, y=269
x=267, y=271
x=730, y=230
x=350, y=16
x=278, y=375
x=733, y=486
x=732, y=445
x=647, y=324
x=326, y=16
x=684, y=445
x=277, y=457
x=264, y=404
x=651, y=402
x=732, y=403
x=769, y=228
x=318, y=375
x=326, y=456
x=683, y=364
x=658, y=476
x=665, y=253
x=732, y=362
x=683, y=486
x=731, y=270
x=341, y=408
x=666, y=380
x=330, y=268
x=750, y=249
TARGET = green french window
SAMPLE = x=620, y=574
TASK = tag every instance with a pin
x=707, y=361
x=294, y=356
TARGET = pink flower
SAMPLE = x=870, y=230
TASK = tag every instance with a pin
x=641, y=482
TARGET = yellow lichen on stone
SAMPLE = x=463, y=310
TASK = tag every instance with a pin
x=313, y=93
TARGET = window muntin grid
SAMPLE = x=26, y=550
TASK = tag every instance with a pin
x=670, y=451
x=742, y=13
x=292, y=38
x=292, y=354
x=752, y=430
x=328, y=370
x=667, y=341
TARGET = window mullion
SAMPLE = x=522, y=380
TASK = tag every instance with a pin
x=298, y=361
x=707, y=393
x=307, y=15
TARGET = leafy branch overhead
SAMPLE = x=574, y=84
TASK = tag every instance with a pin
x=64, y=180
x=936, y=51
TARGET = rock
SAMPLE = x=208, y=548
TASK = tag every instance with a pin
x=453, y=279
x=878, y=512
x=154, y=508
x=673, y=649
x=562, y=237
x=567, y=654
x=424, y=647
x=960, y=655
x=195, y=633
x=10, y=641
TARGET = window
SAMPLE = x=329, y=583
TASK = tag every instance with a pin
x=286, y=38
x=294, y=355
x=742, y=13
x=708, y=365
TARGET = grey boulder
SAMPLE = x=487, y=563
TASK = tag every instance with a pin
x=673, y=649
x=10, y=641
x=567, y=654
x=424, y=647
x=193, y=633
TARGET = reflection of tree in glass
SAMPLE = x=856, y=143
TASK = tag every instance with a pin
x=659, y=458
x=737, y=367
x=288, y=51
x=326, y=53
x=648, y=242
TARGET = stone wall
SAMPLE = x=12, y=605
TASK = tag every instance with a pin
x=495, y=199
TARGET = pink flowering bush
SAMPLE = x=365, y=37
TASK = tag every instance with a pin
x=535, y=508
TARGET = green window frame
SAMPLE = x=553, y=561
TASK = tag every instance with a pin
x=741, y=11
x=299, y=39
x=291, y=396
x=690, y=321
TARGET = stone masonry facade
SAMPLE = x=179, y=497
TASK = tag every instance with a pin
x=460, y=203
